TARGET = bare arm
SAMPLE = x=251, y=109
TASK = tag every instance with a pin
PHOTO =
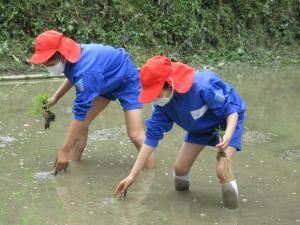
x=72, y=138
x=139, y=164
x=231, y=125
x=60, y=92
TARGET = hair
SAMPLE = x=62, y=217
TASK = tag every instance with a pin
x=56, y=56
x=166, y=86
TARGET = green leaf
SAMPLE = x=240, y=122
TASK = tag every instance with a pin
x=16, y=58
x=220, y=132
x=37, y=106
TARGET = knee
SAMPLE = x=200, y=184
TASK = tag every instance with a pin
x=136, y=137
x=181, y=170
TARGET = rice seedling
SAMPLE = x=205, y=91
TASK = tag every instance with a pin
x=221, y=156
x=39, y=103
x=39, y=107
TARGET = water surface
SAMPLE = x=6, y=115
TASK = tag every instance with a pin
x=267, y=169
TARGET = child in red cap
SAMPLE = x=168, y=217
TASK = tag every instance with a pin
x=200, y=103
x=99, y=74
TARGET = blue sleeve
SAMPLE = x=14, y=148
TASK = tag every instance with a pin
x=217, y=101
x=156, y=126
x=87, y=88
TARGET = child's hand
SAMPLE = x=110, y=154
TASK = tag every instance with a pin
x=224, y=143
x=61, y=162
x=121, y=189
x=51, y=101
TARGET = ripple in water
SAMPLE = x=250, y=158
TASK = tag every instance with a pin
x=107, y=134
x=290, y=155
x=44, y=175
x=6, y=140
x=109, y=201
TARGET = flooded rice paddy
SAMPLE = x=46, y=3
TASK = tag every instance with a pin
x=267, y=170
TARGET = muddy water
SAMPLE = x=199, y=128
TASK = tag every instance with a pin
x=268, y=168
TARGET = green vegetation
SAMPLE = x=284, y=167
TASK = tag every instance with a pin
x=221, y=132
x=37, y=107
x=195, y=31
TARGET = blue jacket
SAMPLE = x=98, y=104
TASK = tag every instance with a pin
x=208, y=103
x=99, y=70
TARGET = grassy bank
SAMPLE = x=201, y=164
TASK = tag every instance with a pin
x=199, y=32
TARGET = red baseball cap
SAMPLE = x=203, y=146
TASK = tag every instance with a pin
x=158, y=70
x=50, y=42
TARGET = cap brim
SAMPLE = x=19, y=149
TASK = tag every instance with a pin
x=150, y=94
x=41, y=57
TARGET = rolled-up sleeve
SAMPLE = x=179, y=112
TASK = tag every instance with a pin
x=87, y=88
x=157, y=125
x=217, y=101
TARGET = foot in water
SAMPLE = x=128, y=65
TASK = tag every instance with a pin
x=230, y=195
x=181, y=183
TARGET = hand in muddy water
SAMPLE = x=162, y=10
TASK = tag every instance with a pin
x=121, y=190
x=55, y=172
x=123, y=195
x=61, y=162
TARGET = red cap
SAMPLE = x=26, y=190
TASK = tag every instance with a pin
x=50, y=42
x=159, y=70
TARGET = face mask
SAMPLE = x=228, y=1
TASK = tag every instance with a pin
x=57, y=69
x=164, y=100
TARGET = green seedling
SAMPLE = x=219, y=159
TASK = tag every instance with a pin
x=220, y=132
x=40, y=107
x=39, y=103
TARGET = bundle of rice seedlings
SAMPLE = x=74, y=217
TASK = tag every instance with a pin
x=39, y=107
x=221, y=156
x=38, y=104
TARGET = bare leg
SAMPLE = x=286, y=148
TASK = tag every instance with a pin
x=99, y=104
x=185, y=159
x=136, y=133
x=228, y=183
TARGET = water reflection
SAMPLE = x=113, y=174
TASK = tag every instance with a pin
x=84, y=200
x=135, y=204
x=197, y=208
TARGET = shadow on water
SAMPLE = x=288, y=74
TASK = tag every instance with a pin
x=267, y=169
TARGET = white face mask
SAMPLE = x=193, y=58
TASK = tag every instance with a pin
x=57, y=69
x=164, y=100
